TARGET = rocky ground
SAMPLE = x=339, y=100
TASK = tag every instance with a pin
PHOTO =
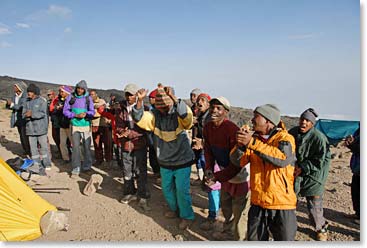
x=101, y=217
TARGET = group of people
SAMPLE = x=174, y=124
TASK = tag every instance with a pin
x=253, y=174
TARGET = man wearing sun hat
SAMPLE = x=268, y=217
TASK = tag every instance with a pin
x=270, y=150
x=133, y=141
x=219, y=139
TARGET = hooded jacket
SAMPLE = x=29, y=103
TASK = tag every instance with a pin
x=272, y=167
x=313, y=157
x=17, y=108
x=37, y=124
x=79, y=106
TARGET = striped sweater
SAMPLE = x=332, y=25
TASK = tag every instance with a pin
x=170, y=139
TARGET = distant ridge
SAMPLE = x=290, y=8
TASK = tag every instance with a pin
x=238, y=115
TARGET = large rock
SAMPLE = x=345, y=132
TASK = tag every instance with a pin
x=53, y=221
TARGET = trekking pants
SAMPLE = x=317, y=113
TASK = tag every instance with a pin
x=86, y=138
x=176, y=191
x=355, y=192
x=236, y=207
x=42, y=151
x=282, y=224
x=135, y=165
x=316, y=211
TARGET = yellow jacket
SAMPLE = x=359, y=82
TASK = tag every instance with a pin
x=272, y=166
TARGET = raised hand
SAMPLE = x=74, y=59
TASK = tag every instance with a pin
x=169, y=93
x=141, y=94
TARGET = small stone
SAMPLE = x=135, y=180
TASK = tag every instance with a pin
x=179, y=237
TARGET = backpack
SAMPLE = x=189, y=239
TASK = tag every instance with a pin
x=26, y=168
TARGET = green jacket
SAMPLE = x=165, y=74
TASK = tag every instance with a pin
x=313, y=156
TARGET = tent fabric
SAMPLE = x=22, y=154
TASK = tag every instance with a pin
x=336, y=130
x=21, y=209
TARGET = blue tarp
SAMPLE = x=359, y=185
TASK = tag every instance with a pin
x=336, y=130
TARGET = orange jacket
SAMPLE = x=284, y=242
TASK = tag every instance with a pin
x=272, y=166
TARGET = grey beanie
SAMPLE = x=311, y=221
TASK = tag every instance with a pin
x=196, y=91
x=310, y=114
x=270, y=112
x=82, y=84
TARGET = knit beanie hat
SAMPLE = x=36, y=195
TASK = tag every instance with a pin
x=270, y=112
x=67, y=89
x=162, y=100
x=33, y=88
x=310, y=114
x=222, y=100
x=153, y=94
x=203, y=95
x=196, y=91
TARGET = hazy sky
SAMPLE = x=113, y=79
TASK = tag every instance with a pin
x=296, y=54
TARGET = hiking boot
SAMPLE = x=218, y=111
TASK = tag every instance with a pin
x=128, y=198
x=143, y=203
x=170, y=214
x=321, y=235
x=185, y=223
x=208, y=224
x=222, y=236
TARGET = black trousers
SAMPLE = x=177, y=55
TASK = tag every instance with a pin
x=355, y=192
x=24, y=140
x=135, y=165
x=153, y=160
x=281, y=224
